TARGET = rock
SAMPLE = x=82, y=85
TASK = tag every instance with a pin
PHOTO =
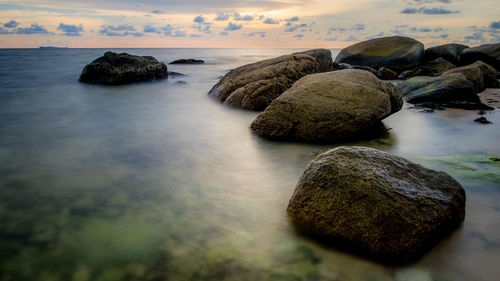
x=482, y=120
x=114, y=69
x=479, y=73
x=187, y=61
x=329, y=107
x=449, y=52
x=175, y=74
x=449, y=90
x=437, y=66
x=494, y=158
x=411, y=73
x=374, y=203
x=255, y=86
x=396, y=52
x=385, y=73
x=181, y=82
x=431, y=68
x=367, y=68
x=489, y=53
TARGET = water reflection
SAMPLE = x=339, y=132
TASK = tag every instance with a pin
x=156, y=181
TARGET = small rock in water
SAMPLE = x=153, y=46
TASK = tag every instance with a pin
x=426, y=110
x=175, y=74
x=187, y=61
x=482, y=120
x=181, y=82
x=481, y=112
x=495, y=158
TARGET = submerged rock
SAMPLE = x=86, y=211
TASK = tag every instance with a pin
x=396, y=52
x=377, y=204
x=450, y=52
x=482, y=120
x=255, y=86
x=489, y=53
x=114, y=69
x=187, y=61
x=329, y=107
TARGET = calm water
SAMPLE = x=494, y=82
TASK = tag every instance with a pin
x=156, y=181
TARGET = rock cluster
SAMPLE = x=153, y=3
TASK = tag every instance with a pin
x=329, y=107
x=255, y=86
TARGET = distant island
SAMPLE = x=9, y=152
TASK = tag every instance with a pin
x=52, y=47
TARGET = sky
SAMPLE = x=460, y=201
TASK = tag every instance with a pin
x=243, y=23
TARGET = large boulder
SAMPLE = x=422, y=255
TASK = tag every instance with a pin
x=375, y=203
x=479, y=73
x=450, y=52
x=489, y=53
x=397, y=53
x=329, y=107
x=114, y=69
x=453, y=90
x=255, y=86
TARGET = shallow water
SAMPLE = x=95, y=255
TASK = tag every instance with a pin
x=157, y=181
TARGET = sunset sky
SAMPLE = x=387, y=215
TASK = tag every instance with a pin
x=245, y=23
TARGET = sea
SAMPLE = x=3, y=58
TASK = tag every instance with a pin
x=159, y=181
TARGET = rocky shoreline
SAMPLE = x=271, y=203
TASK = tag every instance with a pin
x=362, y=200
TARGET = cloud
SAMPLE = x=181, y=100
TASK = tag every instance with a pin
x=33, y=29
x=428, y=11
x=224, y=33
x=295, y=27
x=221, y=16
x=380, y=34
x=495, y=25
x=151, y=29
x=331, y=39
x=170, y=31
x=292, y=19
x=11, y=24
x=341, y=29
x=359, y=26
x=119, y=30
x=298, y=36
x=195, y=35
x=271, y=21
x=238, y=17
x=70, y=29
x=233, y=26
x=351, y=38
x=257, y=33
x=158, y=12
x=199, y=19
x=4, y=31
x=477, y=36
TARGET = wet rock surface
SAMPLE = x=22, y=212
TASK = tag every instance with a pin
x=374, y=203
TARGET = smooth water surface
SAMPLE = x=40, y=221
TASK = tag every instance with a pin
x=157, y=181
